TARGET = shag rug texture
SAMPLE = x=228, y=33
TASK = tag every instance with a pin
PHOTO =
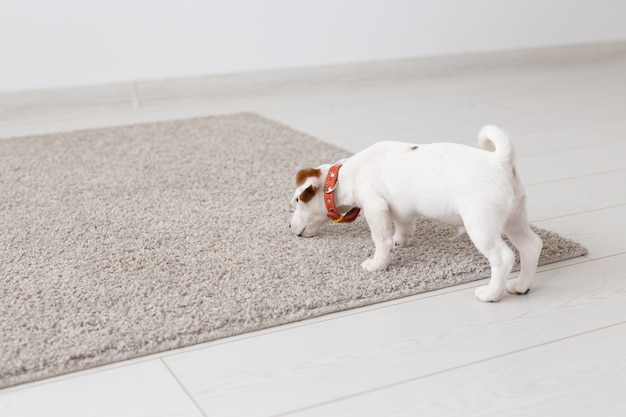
x=127, y=241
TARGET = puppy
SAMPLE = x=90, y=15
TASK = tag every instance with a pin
x=394, y=183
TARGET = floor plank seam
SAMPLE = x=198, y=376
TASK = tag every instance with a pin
x=584, y=212
x=593, y=174
x=613, y=255
x=578, y=213
x=444, y=371
x=135, y=95
x=182, y=386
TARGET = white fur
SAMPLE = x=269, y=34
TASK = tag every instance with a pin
x=475, y=189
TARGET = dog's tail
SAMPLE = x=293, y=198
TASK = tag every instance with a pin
x=493, y=139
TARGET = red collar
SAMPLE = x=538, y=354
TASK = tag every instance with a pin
x=329, y=199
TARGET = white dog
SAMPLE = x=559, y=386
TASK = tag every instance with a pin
x=394, y=182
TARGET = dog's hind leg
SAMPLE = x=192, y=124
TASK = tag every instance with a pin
x=488, y=240
x=404, y=229
x=529, y=246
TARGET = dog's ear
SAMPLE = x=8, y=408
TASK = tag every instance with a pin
x=307, y=183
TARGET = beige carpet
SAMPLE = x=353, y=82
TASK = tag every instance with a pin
x=121, y=242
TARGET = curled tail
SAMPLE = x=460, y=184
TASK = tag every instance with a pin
x=496, y=140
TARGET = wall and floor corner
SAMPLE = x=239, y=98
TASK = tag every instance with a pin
x=72, y=42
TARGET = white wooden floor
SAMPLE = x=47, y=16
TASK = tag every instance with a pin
x=559, y=351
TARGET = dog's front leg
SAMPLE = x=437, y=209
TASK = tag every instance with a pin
x=379, y=221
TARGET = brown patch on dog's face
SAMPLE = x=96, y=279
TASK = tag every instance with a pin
x=307, y=194
x=303, y=174
x=310, y=213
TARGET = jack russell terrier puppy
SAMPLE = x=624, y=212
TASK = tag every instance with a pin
x=394, y=183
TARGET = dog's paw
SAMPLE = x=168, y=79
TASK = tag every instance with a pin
x=400, y=241
x=486, y=295
x=514, y=286
x=373, y=265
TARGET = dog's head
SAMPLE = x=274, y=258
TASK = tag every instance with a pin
x=310, y=212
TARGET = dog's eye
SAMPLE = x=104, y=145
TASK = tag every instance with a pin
x=297, y=200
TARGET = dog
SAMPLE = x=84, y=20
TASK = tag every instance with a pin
x=476, y=189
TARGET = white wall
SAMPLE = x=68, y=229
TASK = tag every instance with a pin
x=54, y=43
